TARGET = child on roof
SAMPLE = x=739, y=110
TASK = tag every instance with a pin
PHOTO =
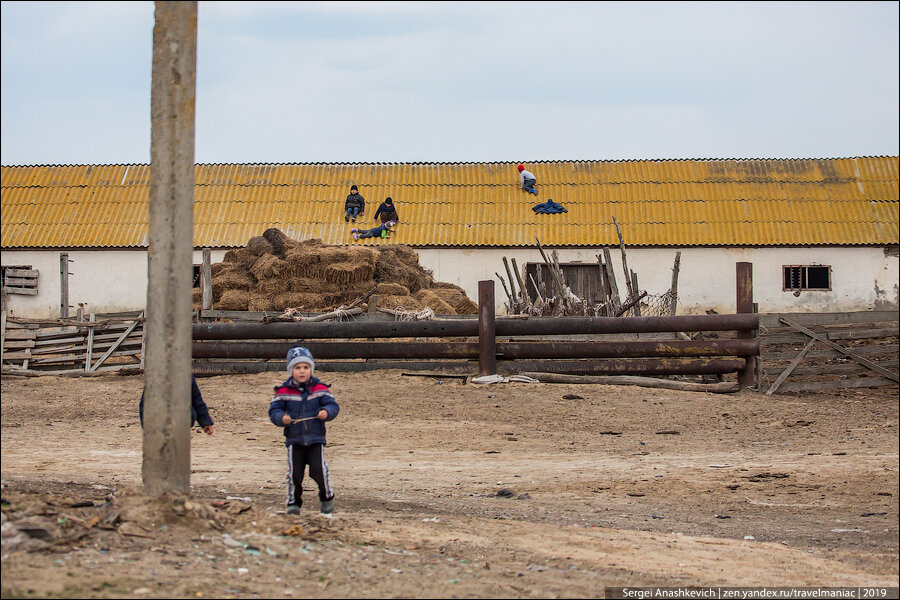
x=388, y=211
x=384, y=230
x=354, y=204
x=527, y=179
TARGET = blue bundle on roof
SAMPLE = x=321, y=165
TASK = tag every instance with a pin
x=549, y=208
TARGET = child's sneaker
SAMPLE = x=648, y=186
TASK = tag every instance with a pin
x=356, y=236
x=346, y=218
x=327, y=507
x=354, y=219
x=293, y=509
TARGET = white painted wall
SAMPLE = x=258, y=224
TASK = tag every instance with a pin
x=104, y=280
x=862, y=278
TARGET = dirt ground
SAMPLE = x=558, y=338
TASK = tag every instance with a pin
x=451, y=490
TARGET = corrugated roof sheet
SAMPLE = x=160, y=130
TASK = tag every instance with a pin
x=852, y=201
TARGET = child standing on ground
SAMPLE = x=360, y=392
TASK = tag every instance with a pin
x=301, y=405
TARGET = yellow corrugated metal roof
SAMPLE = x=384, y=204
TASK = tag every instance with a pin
x=657, y=203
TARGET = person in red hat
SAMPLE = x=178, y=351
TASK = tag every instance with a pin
x=527, y=180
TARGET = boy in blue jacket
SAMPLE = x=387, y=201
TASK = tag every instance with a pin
x=301, y=405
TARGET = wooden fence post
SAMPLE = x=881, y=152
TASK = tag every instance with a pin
x=487, y=341
x=206, y=280
x=63, y=285
x=744, y=301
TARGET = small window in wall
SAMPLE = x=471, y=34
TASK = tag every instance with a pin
x=196, y=281
x=21, y=279
x=806, y=277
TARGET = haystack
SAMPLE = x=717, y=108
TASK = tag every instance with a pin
x=275, y=272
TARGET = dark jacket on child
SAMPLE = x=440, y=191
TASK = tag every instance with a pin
x=354, y=200
x=387, y=211
x=303, y=401
x=199, y=412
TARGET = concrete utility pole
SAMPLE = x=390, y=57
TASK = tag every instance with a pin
x=167, y=391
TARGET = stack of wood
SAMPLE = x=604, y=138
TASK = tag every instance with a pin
x=555, y=298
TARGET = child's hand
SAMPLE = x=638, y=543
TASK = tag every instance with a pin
x=208, y=430
x=286, y=419
x=323, y=414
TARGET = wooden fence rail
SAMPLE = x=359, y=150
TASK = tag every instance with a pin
x=69, y=346
x=830, y=351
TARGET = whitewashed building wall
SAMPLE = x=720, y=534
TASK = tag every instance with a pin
x=863, y=278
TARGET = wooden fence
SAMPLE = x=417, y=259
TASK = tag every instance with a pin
x=806, y=352
x=99, y=343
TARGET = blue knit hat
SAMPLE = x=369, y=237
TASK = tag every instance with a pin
x=299, y=354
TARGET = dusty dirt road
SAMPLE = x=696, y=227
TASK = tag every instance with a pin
x=446, y=490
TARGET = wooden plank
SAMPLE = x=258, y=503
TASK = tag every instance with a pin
x=784, y=375
x=813, y=386
x=873, y=349
x=19, y=334
x=19, y=343
x=648, y=382
x=2, y=335
x=22, y=282
x=11, y=324
x=852, y=367
x=89, y=344
x=20, y=290
x=866, y=363
x=30, y=273
x=116, y=344
x=865, y=334
x=611, y=279
x=807, y=319
x=836, y=327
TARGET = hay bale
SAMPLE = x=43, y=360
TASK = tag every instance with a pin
x=259, y=245
x=267, y=266
x=348, y=272
x=395, y=302
x=260, y=302
x=233, y=300
x=279, y=241
x=306, y=302
x=240, y=257
x=432, y=301
x=400, y=264
x=391, y=289
x=455, y=297
x=230, y=279
x=302, y=262
x=216, y=268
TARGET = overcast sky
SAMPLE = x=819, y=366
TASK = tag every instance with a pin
x=468, y=82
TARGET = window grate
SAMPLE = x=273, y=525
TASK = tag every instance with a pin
x=806, y=278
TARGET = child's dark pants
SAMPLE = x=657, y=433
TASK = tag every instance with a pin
x=298, y=457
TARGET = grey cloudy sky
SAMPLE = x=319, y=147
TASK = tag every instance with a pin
x=423, y=82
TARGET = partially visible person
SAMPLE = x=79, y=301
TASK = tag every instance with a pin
x=527, y=180
x=387, y=211
x=199, y=411
x=354, y=205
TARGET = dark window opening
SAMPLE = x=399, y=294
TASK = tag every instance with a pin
x=806, y=277
x=196, y=282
